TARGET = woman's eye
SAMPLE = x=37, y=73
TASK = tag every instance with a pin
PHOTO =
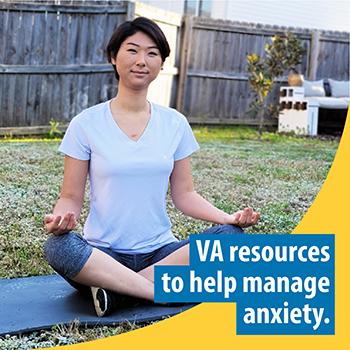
x=132, y=50
x=153, y=53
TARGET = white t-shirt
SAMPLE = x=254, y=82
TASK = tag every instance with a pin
x=128, y=179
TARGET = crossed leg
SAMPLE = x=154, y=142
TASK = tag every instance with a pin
x=101, y=270
x=65, y=252
x=179, y=257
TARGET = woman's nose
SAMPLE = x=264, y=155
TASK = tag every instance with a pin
x=141, y=59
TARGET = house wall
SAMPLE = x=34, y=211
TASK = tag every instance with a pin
x=326, y=15
x=312, y=14
x=168, y=5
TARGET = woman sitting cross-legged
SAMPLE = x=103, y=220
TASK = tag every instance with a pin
x=131, y=149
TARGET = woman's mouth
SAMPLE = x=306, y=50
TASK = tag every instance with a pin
x=140, y=73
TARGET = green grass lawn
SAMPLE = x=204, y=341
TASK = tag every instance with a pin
x=279, y=176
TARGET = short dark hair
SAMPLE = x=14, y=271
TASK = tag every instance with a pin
x=129, y=28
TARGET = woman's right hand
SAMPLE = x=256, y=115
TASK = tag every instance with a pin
x=57, y=225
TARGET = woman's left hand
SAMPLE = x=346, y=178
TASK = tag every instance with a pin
x=243, y=218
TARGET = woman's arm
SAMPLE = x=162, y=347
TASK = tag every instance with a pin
x=187, y=200
x=68, y=208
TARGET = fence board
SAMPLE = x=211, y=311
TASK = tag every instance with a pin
x=8, y=100
x=50, y=49
x=2, y=93
x=98, y=50
x=33, y=102
x=62, y=38
x=185, y=52
x=84, y=38
x=20, y=101
x=12, y=40
x=57, y=106
x=3, y=32
x=47, y=85
x=73, y=39
x=95, y=80
x=38, y=37
x=24, y=32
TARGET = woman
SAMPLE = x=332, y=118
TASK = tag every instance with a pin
x=131, y=149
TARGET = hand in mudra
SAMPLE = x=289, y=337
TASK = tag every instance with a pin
x=59, y=225
x=243, y=218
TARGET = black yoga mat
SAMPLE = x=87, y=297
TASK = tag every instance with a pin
x=38, y=303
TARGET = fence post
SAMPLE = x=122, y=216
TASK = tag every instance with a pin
x=130, y=11
x=187, y=23
x=315, y=40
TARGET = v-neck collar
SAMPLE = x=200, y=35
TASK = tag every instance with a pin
x=121, y=132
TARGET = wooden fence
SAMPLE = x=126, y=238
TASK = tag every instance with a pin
x=53, y=61
x=213, y=82
x=53, y=64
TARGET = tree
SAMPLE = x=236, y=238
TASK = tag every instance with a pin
x=283, y=55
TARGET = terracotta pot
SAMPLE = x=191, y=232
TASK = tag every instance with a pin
x=295, y=79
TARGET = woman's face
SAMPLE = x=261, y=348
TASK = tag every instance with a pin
x=138, y=61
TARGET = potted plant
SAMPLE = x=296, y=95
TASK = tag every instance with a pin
x=284, y=54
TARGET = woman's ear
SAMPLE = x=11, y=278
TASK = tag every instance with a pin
x=113, y=61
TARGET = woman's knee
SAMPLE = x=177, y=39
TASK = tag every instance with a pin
x=67, y=253
x=224, y=230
